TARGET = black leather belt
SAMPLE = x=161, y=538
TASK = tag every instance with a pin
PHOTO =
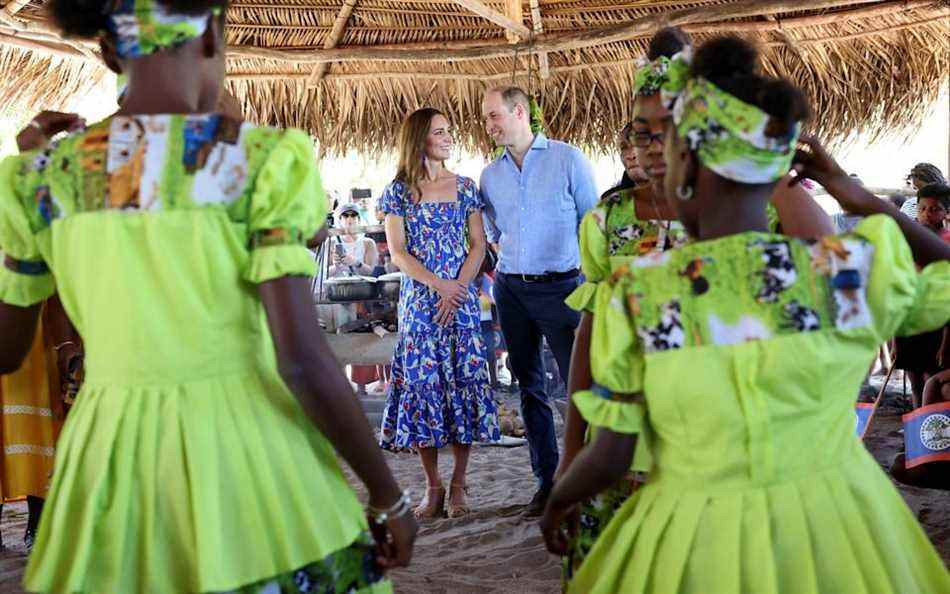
x=547, y=277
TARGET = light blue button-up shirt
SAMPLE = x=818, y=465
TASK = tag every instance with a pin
x=533, y=214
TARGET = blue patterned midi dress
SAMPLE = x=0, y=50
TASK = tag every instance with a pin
x=440, y=391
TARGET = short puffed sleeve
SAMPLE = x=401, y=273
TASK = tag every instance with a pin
x=25, y=277
x=595, y=259
x=469, y=197
x=615, y=402
x=903, y=300
x=395, y=199
x=288, y=205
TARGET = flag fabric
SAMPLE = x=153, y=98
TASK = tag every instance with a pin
x=863, y=412
x=927, y=434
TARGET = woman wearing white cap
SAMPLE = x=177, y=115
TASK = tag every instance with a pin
x=353, y=253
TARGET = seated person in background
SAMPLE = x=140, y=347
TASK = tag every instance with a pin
x=897, y=200
x=937, y=389
x=353, y=253
x=846, y=221
x=933, y=203
x=924, y=355
x=935, y=474
x=923, y=174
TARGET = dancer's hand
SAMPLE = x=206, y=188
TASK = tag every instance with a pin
x=812, y=161
x=394, y=540
x=46, y=125
x=558, y=525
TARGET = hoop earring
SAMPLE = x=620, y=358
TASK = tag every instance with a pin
x=684, y=193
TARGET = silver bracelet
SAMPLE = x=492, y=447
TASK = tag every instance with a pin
x=402, y=507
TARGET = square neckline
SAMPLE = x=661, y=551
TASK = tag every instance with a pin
x=456, y=201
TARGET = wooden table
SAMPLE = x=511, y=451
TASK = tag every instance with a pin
x=364, y=348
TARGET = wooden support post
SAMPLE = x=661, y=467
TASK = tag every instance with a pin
x=513, y=10
x=505, y=21
x=543, y=66
x=336, y=34
x=14, y=6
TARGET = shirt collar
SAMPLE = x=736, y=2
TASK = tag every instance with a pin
x=541, y=142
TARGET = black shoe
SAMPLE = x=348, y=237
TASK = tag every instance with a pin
x=536, y=507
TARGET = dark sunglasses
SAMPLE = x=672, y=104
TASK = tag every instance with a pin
x=350, y=215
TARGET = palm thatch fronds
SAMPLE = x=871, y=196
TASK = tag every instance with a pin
x=350, y=70
x=33, y=81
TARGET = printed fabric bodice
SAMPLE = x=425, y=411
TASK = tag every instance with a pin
x=611, y=235
x=707, y=332
x=437, y=236
x=153, y=222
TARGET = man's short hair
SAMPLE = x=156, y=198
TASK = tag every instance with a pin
x=512, y=96
x=938, y=192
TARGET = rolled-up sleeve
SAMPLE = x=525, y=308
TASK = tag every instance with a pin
x=583, y=184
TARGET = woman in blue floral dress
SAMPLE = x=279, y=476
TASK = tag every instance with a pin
x=440, y=393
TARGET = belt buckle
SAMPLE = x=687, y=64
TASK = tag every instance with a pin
x=526, y=278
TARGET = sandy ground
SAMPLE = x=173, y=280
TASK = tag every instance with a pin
x=497, y=550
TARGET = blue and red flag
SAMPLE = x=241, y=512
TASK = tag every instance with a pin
x=863, y=412
x=927, y=434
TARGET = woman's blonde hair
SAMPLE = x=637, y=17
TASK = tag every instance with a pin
x=412, y=146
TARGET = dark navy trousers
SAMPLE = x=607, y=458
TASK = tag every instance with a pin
x=530, y=312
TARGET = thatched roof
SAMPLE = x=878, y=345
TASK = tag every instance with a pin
x=350, y=70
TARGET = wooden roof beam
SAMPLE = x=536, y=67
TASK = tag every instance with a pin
x=14, y=6
x=336, y=34
x=504, y=21
x=637, y=27
x=543, y=66
x=60, y=50
x=514, y=12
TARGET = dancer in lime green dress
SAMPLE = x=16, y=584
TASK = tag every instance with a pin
x=730, y=365
x=634, y=222
x=201, y=454
x=611, y=234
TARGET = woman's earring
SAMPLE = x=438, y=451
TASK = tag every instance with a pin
x=684, y=193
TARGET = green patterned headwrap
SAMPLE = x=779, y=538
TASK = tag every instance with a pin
x=726, y=133
x=650, y=75
x=143, y=27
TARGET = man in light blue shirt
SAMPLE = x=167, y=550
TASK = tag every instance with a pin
x=535, y=195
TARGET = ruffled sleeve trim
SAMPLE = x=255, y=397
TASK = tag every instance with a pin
x=287, y=208
x=394, y=199
x=595, y=260
x=582, y=299
x=904, y=301
x=268, y=263
x=931, y=309
x=616, y=358
x=601, y=409
x=24, y=290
